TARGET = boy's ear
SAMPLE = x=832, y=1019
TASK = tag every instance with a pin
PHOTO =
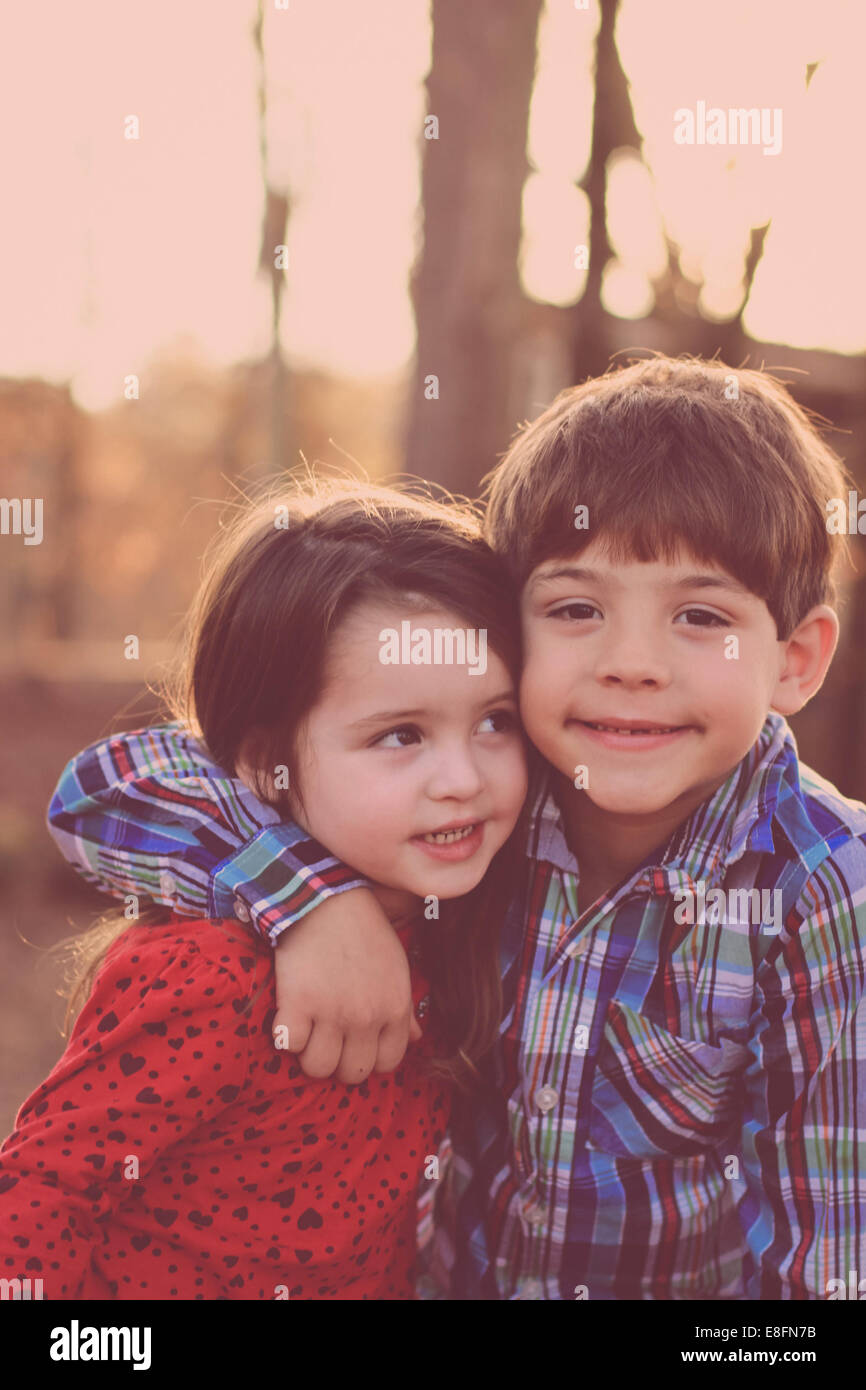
x=806, y=659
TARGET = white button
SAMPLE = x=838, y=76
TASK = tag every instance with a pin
x=531, y=1289
x=240, y=910
x=167, y=885
x=536, y=1216
x=546, y=1098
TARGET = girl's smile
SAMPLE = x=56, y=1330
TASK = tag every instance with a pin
x=454, y=845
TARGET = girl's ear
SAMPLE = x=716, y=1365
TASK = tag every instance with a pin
x=249, y=758
x=269, y=784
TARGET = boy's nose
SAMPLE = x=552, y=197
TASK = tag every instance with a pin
x=634, y=661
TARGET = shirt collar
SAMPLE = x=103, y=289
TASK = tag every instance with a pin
x=736, y=818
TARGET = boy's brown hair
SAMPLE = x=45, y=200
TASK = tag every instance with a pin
x=667, y=452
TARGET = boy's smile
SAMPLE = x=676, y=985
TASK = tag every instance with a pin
x=644, y=684
x=633, y=734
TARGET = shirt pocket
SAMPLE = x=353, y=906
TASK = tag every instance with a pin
x=655, y=1094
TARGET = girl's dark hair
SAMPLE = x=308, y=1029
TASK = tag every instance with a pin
x=280, y=580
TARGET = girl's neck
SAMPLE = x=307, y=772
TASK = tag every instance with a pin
x=399, y=906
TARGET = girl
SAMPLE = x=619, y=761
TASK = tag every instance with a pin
x=172, y=1152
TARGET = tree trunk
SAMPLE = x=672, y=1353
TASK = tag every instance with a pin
x=613, y=127
x=466, y=289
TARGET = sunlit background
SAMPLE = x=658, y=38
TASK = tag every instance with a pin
x=155, y=359
x=120, y=248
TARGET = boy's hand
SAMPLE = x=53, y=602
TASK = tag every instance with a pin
x=343, y=989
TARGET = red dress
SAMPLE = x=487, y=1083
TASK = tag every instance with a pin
x=174, y=1153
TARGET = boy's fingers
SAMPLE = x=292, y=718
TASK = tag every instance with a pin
x=291, y=1031
x=358, y=1056
x=321, y=1056
x=392, y=1045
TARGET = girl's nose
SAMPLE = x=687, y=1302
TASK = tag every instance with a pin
x=456, y=775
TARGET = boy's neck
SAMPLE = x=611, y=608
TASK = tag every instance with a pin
x=608, y=846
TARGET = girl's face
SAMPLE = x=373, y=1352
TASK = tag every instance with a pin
x=393, y=754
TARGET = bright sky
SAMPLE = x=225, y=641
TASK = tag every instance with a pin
x=112, y=248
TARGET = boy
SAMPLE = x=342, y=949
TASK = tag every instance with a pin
x=676, y=1105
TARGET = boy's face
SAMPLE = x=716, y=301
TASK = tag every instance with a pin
x=646, y=647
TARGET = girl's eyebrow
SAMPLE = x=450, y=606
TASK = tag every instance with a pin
x=393, y=715
x=389, y=714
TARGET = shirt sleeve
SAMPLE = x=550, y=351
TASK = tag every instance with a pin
x=149, y=813
x=804, y=1210
x=58, y=1182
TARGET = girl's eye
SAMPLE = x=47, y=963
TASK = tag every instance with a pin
x=702, y=617
x=502, y=721
x=575, y=612
x=404, y=737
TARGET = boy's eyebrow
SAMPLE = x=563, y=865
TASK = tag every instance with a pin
x=583, y=575
x=710, y=581
x=392, y=715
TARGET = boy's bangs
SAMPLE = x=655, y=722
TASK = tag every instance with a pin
x=656, y=459
x=650, y=509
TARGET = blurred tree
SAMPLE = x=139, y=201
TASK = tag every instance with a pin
x=594, y=332
x=613, y=128
x=465, y=288
x=275, y=218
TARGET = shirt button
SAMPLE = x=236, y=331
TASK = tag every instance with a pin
x=167, y=885
x=531, y=1289
x=241, y=910
x=536, y=1216
x=545, y=1098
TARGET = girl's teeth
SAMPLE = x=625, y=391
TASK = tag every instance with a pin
x=447, y=837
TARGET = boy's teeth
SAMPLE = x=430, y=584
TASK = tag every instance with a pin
x=612, y=729
x=447, y=837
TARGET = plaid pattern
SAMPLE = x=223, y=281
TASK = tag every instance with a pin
x=148, y=813
x=677, y=1109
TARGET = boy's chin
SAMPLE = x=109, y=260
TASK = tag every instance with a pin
x=629, y=801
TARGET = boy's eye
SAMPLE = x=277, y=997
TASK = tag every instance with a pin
x=575, y=612
x=702, y=617
x=402, y=737
x=501, y=721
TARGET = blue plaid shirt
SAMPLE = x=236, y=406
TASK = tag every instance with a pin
x=676, y=1106
x=149, y=814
